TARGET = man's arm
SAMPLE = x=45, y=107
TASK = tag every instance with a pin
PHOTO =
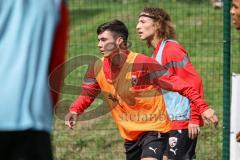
x=89, y=93
x=176, y=60
x=174, y=83
x=163, y=79
x=90, y=90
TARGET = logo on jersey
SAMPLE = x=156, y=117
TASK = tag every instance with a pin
x=174, y=151
x=134, y=80
x=173, y=141
x=154, y=150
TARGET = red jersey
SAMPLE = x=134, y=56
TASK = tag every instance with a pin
x=174, y=57
x=144, y=73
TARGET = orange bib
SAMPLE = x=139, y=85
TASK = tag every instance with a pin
x=133, y=110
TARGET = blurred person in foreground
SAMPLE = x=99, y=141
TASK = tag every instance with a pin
x=131, y=85
x=235, y=12
x=33, y=37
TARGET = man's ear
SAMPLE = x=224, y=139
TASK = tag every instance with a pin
x=119, y=41
x=157, y=26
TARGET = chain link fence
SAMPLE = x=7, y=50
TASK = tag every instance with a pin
x=199, y=28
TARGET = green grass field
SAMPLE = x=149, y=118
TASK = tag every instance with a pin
x=199, y=29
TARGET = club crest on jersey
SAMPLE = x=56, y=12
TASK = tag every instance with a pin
x=134, y=80
x=173, y=141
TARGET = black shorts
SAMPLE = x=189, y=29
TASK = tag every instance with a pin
x=25, y=145
x=150, y=144
x=180, y=146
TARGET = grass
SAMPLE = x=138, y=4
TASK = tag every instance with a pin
x=199, y=29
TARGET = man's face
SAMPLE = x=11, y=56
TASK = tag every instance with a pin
x=145, y=28
x=235, y=12
x=107, y=43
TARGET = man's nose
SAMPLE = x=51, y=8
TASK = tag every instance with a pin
x=99, y=45
x=232, y=11
x=138, y=26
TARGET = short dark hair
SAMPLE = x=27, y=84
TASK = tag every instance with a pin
x=115, y=26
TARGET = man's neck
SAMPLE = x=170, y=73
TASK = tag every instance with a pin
x=154, y=42
x=118, y=59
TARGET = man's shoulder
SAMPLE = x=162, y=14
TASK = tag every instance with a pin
x=141, y=58
x=143, y=62
x=174, y=49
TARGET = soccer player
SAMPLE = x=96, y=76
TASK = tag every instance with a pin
x=130, y=83
x=155, y=26
x=33, y=36
x=235, y=12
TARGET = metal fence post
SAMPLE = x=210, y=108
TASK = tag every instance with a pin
x=226, y=79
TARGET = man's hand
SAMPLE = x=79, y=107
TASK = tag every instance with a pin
x=193, y=130
x=70, y=119
x=210, y=116
x=238, y=137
